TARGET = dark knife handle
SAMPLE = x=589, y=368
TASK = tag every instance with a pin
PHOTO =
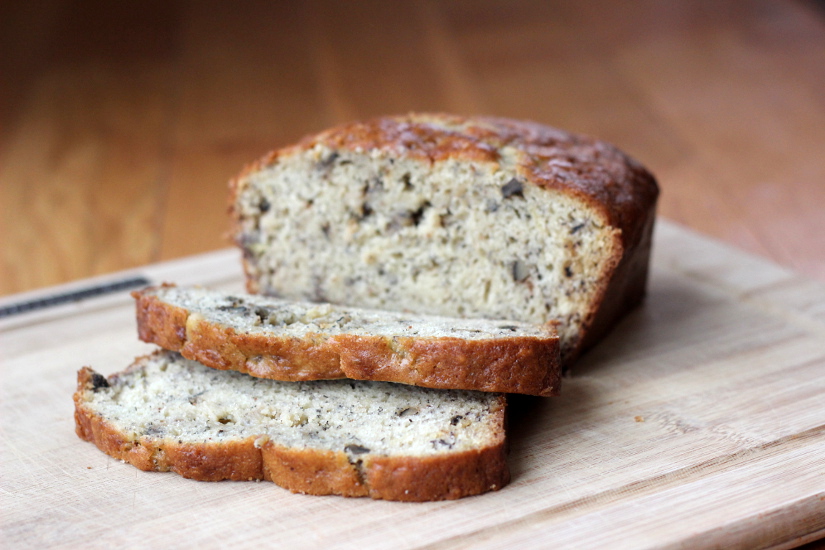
x=73, y=296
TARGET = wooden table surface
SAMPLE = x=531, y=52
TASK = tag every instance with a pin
x=120, y=123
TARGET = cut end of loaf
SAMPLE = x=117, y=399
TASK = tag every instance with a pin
x=450, y=238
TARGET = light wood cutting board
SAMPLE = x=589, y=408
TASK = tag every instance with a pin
x=700, y=422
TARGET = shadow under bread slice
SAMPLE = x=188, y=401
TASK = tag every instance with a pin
x=293, y=341
x=343, y=437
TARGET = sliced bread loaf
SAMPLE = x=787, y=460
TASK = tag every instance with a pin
x=343, y=437
x=464, y=217
x=282, y=340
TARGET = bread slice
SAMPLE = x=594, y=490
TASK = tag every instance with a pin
x=272, y=338
x=342, y=437
x=463, y=217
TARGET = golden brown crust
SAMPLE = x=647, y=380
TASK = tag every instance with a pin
x=622, y=291
x=318, y=472
x=162, y=325
x=452, y=363
x=616, y=186
x=510, y=365
x=417, y=480
x=311, y=471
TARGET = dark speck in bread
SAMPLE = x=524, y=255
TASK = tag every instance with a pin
x=99, y=381
x=512, y=188
x=329, y=160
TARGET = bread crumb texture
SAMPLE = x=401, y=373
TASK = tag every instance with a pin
x=443, y=215
x=169, y=397
x=254, y=314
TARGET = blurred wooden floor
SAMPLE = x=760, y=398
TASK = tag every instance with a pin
x=120, y=123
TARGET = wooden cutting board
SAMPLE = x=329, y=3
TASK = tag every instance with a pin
x=700, y=422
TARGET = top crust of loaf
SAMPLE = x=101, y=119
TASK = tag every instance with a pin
x=595, y=171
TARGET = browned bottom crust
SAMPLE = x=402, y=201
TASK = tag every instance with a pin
x=310, y=471
x=508, y=365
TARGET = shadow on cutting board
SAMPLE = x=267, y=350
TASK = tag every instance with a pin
x=673, y=318
x=661, y=335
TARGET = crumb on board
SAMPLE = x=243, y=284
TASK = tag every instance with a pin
x=640, y=419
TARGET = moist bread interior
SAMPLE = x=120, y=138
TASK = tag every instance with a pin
x=261, y=315
x=451, y=238
x=167, y=397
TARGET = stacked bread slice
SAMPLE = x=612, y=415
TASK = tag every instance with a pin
x=289, y=415
x=370, y=359
x=343, y=437
x=283, y=340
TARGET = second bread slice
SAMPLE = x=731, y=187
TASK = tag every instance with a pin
x=294, y=341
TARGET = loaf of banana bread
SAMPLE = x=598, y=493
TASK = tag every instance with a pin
x=445, y=215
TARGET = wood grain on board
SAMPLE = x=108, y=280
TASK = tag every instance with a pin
x=121, y=123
